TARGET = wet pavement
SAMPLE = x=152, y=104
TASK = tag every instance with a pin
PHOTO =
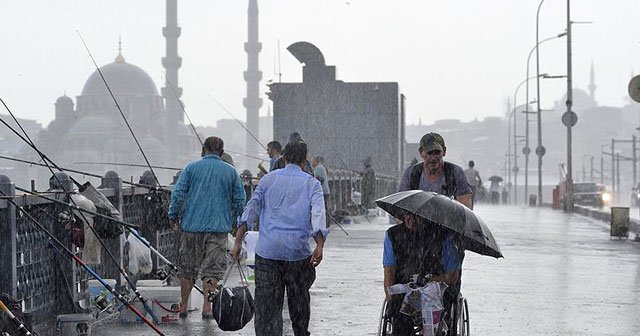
x=562, y=275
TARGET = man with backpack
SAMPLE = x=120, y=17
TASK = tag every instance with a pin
x=420, y=246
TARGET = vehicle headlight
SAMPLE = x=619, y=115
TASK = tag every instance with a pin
x=606, y=197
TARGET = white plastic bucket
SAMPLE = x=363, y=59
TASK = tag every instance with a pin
x=127, y=316
x=74, y=324
x=166, y=309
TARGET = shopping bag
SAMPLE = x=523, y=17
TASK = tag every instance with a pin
x=233, y=307
x=139, y=256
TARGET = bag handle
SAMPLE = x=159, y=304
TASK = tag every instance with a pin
x=243, y=278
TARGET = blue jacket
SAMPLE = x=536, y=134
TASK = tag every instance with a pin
x=208, y=196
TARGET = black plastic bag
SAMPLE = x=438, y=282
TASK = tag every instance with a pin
x=8, y=326
x=233, y=307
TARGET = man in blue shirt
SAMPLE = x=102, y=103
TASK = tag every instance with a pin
x=204, y=202
x=414, y=249
x=285, y=201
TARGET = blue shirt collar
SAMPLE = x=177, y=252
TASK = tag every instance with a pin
x=212, y=156
x=292, y=166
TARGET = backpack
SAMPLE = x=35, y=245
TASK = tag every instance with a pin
x=449, y=187
x=8, y=326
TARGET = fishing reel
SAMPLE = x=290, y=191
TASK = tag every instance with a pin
x=165, y=274
x=66, y=217
x=162, y=274
x=104, y=304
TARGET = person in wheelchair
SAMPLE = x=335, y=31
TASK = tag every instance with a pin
x=420, y=247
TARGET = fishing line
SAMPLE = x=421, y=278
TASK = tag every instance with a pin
x=75, y=206
x=183, y=110
x=239, y=122
x=62, y=248
x=146, y=186
x=118, y=107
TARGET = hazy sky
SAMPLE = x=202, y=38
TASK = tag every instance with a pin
x=452, y=58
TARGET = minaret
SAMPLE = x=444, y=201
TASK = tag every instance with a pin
x=252, y=76
x=171, y=92
x=592, y=83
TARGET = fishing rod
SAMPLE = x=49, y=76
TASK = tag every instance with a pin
x=128, y=226
x=64, y=250
x=14, y=319
x=239, y=122
x=75, y=207
x=146, y=186
x=125, y=164
x=44, y=158
x=118, y=107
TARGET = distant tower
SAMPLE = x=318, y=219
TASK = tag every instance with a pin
x=592, y=83
x=252, y=76
x=171, y=92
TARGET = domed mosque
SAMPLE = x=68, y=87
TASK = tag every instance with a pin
x=95, y=131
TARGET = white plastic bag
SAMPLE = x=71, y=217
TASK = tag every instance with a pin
x=139, y=256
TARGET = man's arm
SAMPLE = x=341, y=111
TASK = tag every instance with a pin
x=318, y=212
x=389, y=279
x=463, y=190
x=316, y=256
x=449, y=278
x=178, y=194
x=253, y=208
x=452, y=262
x=465, y=199
x=235, y=250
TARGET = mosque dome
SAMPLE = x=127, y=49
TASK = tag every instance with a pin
x=64, y=100
x=581, y=100
x=123, y=79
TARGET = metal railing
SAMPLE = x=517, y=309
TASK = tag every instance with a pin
x=49, y=284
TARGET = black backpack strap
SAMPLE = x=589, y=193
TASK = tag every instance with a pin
x=416, y=172
x=449, y=183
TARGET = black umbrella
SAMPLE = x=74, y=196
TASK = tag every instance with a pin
x=447, y=213
x=495, y=178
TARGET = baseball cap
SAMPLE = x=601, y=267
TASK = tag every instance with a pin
x=432, y=141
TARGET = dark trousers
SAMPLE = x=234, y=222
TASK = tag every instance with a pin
x=474, y=189
x=272, y=278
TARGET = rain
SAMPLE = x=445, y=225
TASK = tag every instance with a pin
x=393, y=168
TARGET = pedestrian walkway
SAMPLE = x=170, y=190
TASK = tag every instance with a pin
x=562, y=275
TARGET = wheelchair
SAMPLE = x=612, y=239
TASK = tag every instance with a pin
x=457, y=320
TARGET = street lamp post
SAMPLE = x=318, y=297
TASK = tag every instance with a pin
x=539, y=149
x=527, y=150
x=515, y=136
x=569, y=118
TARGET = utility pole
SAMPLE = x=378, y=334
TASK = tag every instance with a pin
x=569, y=118
x=633, y=156
x=613, y=168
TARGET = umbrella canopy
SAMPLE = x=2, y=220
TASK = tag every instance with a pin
x=495, y=178
x=447, y=213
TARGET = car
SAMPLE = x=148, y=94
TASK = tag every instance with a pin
x=588, y=193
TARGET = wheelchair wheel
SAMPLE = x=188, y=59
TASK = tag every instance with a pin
x=462, y=315
x=384, y=328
